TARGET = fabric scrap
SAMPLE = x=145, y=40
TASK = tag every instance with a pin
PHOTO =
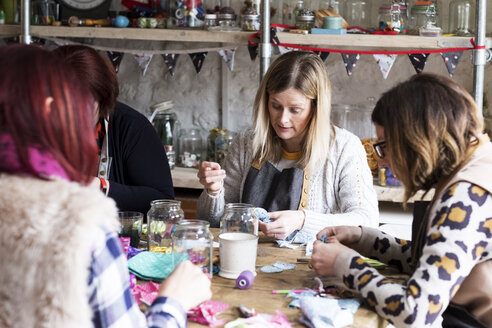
x=262, y=320
x=418, y=61
x=145, y=293
x=205, y=313
x=155, y=266
x=271, y=269
x=328, y=312
x=284, y=266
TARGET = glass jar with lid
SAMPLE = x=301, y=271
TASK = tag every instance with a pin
x=210, y=21
x=239, y=217
x=305, y=22
x=422, y=16
x=250, y=22
x=190, y=148
x=392, y=18
x=227, y=20
x=162, y=217
x=462, y=17
x=192, y=239
x=166, y=125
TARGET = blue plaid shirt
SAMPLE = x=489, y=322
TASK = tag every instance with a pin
x=109, y=291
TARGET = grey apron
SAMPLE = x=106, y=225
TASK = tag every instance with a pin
x=275, y=190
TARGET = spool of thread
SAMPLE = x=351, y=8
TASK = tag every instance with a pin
x=245, y=279
x=332, y=22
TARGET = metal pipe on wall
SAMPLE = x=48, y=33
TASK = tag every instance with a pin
x=25, y=36
x=479, y=54
x=265, y=46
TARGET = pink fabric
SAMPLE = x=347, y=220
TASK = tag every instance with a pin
x=125, y=243
x=205, y=313
x=41, y=161
x=145, y=293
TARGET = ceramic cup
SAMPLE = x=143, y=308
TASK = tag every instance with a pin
x=237, y=253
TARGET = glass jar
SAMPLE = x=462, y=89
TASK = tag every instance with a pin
x=162, y=217
x=220, y=146
x=288, y=17
x=226, y=7
x=250, y=22
x=239, y=217
x=193, y=240
x=166, y=125
x=227, y=20
x=305, y=22
x=357, y=13
x=462, y=17
x=190, y=148
x=422, y=16
x=44, y=12
x=391, y=18
x=251, y=7
x=210, y=21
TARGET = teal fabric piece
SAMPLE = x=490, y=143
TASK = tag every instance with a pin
x=154, y=266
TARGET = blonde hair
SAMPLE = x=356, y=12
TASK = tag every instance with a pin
x=306, y=72
x=430, y=122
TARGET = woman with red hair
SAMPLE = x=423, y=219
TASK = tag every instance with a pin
x=63, y=264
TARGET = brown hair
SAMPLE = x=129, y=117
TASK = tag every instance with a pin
x=30, y=76
x=96, y=72
x=429, y=124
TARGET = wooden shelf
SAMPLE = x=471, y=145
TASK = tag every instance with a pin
x=185, y=178
x=358, y=41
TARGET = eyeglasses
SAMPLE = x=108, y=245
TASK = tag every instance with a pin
x=379, y=148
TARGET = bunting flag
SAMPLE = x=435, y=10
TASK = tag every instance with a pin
x=273, y=36
x=115, y=58
x=143, y=61
x=198, y=58
x=171, y=60
x=283, y=49
x=418, y=61
x=451, y=60
x=350, y=61
x=322, y=54
x=385, y=63
x=253, y=51
x=228, y=57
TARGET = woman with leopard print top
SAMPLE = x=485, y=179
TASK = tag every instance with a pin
x=431, y=136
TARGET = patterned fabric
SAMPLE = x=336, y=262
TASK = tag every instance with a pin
x=418, y=61
x=110, y=292
x=459, y=238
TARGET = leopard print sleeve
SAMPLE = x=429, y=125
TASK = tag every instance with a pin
x=459, y=237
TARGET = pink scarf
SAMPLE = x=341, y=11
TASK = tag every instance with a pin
x=42, y=162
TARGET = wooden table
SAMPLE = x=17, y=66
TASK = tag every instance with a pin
x=259, y=296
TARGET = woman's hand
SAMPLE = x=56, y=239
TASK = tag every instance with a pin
x=187, y=284
x=284, y=223
x=211, y=176
x=347, y=235
x=324, y=257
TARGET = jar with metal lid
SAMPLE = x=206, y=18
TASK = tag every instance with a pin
x=462, y=17
x=250, y=22
x=192, y=239
x=422, y=16
x=166, y=125
x=305, y=22
x=190, y=148
x=227, y=20
x=392, y=18
x=239, y=217
x=210, y=21
x=162, y=217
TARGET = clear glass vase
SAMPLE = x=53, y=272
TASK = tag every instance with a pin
x=162, y=218
x=193, y=240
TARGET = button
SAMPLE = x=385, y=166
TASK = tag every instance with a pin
x=303, y=204
x=306, y=177
x=102, y=172
x=305, y=190
x=104, y=159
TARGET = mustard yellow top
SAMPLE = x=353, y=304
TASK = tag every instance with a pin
x=291, y=156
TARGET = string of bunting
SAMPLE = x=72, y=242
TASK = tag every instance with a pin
x=385, y=59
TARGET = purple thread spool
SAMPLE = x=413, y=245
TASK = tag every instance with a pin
x=245, y=279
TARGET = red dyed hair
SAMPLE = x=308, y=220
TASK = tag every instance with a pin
x=96, y=72
x=29, y=76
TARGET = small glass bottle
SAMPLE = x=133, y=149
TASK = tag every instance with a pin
x=250, y=22
x=462, y=17
x=220, y=146
x=239, y=217
x=391, y=18
x=193, y=240
x=305, y=22
x=162, y=217
x=190, y=148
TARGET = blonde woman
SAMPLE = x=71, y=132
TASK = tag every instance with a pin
x=293, y=162
x=431, y=135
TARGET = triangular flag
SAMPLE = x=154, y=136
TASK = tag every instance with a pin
x=451, y=60
x=273, y=36
x=350, y=61
x=418, y=61
x=115, y=58
x=171, y=60
x=228, y=56
x=143, y=61
x=198, y=58
x=253, y=51
x=385, y=63
x=322, y=54
x=283, y=49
